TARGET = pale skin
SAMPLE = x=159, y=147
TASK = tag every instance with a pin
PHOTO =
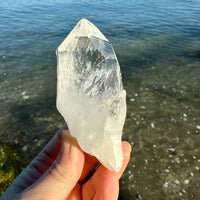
x=62, y=171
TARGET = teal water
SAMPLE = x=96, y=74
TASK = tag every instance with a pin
x=158, y=47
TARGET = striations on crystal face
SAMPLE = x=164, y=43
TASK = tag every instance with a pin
x=90, y=94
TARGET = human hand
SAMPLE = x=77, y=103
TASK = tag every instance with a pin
x=62, y=171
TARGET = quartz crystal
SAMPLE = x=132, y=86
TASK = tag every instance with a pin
x=90, y=94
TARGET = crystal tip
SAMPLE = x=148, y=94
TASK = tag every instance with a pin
x=84, y=22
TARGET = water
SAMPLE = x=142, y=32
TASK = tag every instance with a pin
x=158, y=46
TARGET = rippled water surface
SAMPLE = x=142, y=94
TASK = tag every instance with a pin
x=158, y=47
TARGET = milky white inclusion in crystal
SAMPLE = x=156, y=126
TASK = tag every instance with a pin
x=90, y=95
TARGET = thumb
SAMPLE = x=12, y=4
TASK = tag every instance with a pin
x=59, y=180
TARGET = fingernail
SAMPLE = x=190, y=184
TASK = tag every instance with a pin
x=129, y=147
x=68, y=141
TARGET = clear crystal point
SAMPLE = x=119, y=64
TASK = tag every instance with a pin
x=90, y=95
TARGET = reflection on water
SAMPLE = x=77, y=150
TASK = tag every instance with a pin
x=158, y=46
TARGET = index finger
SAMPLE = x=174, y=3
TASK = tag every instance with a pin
x=90, y=164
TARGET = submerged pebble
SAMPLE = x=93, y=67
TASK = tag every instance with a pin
x=186, y=181
x=198, y=127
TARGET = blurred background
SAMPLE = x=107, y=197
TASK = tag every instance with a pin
x=157, y=43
